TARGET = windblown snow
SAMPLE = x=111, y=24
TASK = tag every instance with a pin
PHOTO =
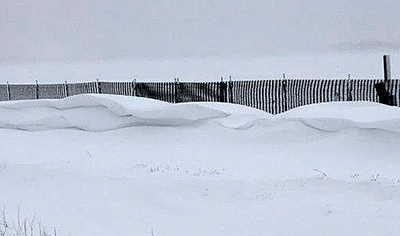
x=114, y=165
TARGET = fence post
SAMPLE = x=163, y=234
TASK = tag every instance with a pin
x=8, y=92
x=386, y=68
x=66, y=89
x=98, y=87
x=230, y=92
x=37, y=89
x=349, y=86
x=222, y=91
x=383, y=88
x=133, y=88
x=285, y=95
x=177, y=90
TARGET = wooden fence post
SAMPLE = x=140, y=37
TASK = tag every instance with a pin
x=37, y=89
x=66, y=89
x=386, y=68
x=8, y=92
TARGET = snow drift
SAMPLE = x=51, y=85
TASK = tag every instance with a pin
x=94, y=112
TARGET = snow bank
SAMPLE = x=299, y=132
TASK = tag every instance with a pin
x=93, y=112
x=336, y=116
x=354, y=111
x=98, y=112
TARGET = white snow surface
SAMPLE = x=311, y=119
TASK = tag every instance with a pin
x=113, y=165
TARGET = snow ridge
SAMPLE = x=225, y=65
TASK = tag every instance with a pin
x=96, y=112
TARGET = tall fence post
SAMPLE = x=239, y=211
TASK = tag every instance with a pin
x=37, y=89
x=349, y=87
x=284, y=90
x=386, y=68
x=383, y=88
x=222, y=91
x=133, y=88
x=98, y=86
x=177, y=90
x=230, y=90
x=8, y=92
x=66, y=93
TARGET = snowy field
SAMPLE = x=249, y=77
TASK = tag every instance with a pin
x=318, y=65
x=112, y=165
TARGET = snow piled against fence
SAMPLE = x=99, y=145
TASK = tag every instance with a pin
x=94, y=112
x=153, y=168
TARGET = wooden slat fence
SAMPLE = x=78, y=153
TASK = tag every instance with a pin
x=273, y=96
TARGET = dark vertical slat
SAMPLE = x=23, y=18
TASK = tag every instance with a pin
x=259, y=95
x=369, y=90
x=303, y=92
x=288, y=94
x=359, y=90
x=316, y=90
x=396, y=95
x=323, y=92
x=255, y=94
x=264, y=95
x=281, y=96
x=355, y=90
x=276, y=94
x=296, y=93
x=250, y=93
x=246, y=93
x=277, y=97
x=299, y=93
x=270, y=99
x=364, y=90
x=343, y=89
x=310, y=91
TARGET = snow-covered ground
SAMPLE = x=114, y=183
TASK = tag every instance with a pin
x=318, y=65
x=113, y=165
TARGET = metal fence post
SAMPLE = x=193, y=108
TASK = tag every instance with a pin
x=8, y=92
x=37, y=89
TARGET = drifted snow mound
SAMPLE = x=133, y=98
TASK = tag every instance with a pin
x=94, y=112
x=336, y=116
x=99, y=112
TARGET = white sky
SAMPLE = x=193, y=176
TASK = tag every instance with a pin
x=49, y=30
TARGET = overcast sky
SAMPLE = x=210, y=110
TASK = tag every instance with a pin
x=55, y=30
